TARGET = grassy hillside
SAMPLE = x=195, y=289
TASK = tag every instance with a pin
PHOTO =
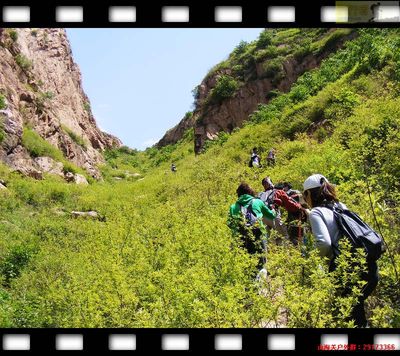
x=163, y=255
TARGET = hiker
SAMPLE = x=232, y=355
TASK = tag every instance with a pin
x=253, y=235
x=173, y=168
x=275, y=198
x=255, y=159
x=295, y=219
x=271, y=157
x=319, y=194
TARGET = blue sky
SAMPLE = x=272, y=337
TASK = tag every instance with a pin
x=139, y=81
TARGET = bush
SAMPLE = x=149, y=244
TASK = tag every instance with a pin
x=23, y=62
x=264, y=39
x=13, y=263
x=3, y=104
x=225, y=88
x=240, y=48
x=38, y=147
x=86, y=107
x=273, y=68
x=74, y=137
x=13, y=35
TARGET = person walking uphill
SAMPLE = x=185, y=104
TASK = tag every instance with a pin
x=255, y=160
x=245, y=220
x=321, y=196
x=278, y=198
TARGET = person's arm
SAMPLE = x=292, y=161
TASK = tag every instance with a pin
x=284, y=200
x=267, y=212
x=321, y=234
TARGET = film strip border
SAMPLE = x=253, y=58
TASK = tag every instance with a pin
x=211, y=341
x=268, y=13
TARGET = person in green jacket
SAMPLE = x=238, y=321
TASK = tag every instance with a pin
x=253, y=237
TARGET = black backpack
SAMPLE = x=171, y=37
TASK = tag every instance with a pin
x=359, y=233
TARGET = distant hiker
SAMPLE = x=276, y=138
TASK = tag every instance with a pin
x=255, y=160
x=245, y=220
x=271, y=157
x=320, y=195
x=173, y=168
x=274, y=199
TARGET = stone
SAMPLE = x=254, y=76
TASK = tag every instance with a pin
x=94, y=215
x=80, y=179
x=85, y=214
x=48, y=165
x=30, y=172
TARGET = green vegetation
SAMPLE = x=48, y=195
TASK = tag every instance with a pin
x=23, y=62
x=13, y=35
x=3, y=104
x=225, y=87
x=86, y=107
x=164, y=256
x=74, y=137
x=38, y=146
x=42, y=98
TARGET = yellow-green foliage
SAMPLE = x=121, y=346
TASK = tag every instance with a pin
x=164, y=256
x=37, y=146
x=76, y=138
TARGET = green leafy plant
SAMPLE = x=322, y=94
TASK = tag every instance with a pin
x=225, y=88
x=3, y=104
x=74, y=137
x=23, y=62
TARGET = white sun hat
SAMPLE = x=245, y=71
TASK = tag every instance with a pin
x=314, y=181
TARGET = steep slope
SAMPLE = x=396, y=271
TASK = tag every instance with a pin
x=163, y=256
x=252, y=75
x=41, y=89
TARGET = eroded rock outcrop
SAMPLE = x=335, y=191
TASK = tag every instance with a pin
x=209, y=119
x=40, y=86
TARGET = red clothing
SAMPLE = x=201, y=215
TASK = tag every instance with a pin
x=282, y=199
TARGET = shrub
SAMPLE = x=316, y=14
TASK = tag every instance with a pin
x=69, y=167
x=23, y=62
x=86, y=107
x=13, y=35
x=225, y=88
x=264, y=39
x=273, y=68
x=74, y=137
x=3, y=104
x=240, y=48
x=329, y=41
x=13, y=263
x=38, y=147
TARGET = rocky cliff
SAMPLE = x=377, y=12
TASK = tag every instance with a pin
x=41, y=96
x=260, y=69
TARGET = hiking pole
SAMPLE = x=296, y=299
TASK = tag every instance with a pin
x=377, y=224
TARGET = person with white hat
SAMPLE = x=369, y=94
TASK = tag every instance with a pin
x=319, y=194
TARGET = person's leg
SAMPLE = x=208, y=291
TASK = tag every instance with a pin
x=371, y=277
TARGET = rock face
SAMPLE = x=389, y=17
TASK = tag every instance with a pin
x=40, y=86
x=209, y=120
